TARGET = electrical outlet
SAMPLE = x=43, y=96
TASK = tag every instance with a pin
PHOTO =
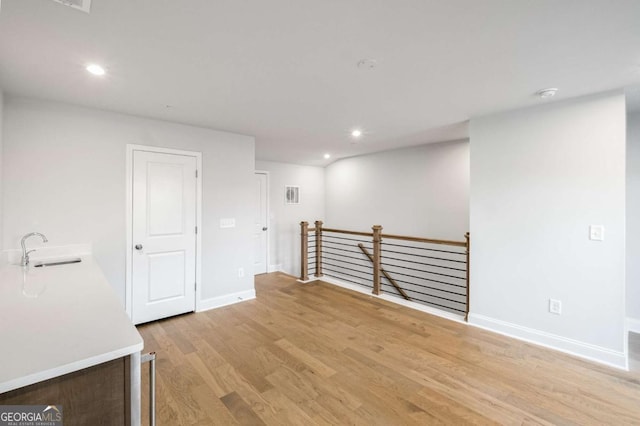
x=555, y=306
x=240, y=272
x=596, y=232
x=228, y=222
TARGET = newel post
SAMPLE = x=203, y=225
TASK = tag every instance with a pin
x=377, y=255
x=318, y=248
x=304, y=251
x=468, y=252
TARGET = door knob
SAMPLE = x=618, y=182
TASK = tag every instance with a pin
x=264, y=228
x=138, y=246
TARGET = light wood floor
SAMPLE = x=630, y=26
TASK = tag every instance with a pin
x=318, y=354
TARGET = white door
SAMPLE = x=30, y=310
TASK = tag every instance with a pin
x=164, y=235
x=260, y=225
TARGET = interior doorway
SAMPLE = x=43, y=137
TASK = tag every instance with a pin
x=162, y=247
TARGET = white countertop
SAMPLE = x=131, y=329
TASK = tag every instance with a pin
x=59, y=319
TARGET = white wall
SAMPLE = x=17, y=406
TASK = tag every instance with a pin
x=420, y=191
x=65, y=176
x=633, y=221
x=284, y=219
x=1, y=149
x=539, y=178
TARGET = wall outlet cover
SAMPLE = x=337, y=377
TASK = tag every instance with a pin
x=555, y=306
x=596, y=232
x=228, y=222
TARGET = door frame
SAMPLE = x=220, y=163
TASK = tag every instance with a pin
x=128, y=293
x=266, y=173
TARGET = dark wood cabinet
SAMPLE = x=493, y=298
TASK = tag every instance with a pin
x=98, y=395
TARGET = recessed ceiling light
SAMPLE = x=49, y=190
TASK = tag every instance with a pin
x=356, y=133
x=96, y=69
x=547, y=93
x=327, y=156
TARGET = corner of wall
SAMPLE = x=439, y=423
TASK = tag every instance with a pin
x=1, y=169
x=633, y=325
x=632, y=287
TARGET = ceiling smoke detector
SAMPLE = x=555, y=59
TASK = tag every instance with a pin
x=367, y=64
x=83, y=5
x=547, y=93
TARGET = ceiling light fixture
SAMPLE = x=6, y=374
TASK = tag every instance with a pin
x=356, y=133
x=547, y=93
x=96, y=69
x=327, y=156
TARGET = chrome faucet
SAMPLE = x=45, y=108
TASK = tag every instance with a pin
x=25, y=253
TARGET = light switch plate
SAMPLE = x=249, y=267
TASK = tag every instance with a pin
x=596, y=232
x=228, y=222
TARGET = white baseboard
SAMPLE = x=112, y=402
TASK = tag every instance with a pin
x=573, y=347
x=389, y=298
x=274, y=268
x=633, y=325
x=227, y=299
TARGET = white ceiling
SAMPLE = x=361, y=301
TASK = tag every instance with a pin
x=285, y=71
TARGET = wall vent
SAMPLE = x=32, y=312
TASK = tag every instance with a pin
x=291, y=194
x=83, y=5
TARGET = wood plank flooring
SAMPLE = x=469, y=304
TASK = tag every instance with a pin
x=318, y=354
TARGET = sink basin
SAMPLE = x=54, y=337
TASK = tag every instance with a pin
x=56, y=262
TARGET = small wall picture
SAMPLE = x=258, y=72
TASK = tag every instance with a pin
x=291, y=194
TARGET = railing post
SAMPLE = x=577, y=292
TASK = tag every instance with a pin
x=318, y=248
x=304, y=251
x=377, y=254
x=468, y=252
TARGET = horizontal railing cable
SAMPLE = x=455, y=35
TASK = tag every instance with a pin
x=426, y=286
x=430, y=280
x=346, y=261
x=349, y=280
x=324, y=266
x=337, y=262
x=345, y=238
x=342, y=273
x=423, y=248
x=426, y=272
x=410, y=290
x=341, y=231
x=421, y=256
x=428, y=302
x=338, y=243
x=345, y=250
x=405, y=267
x=421, y=263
